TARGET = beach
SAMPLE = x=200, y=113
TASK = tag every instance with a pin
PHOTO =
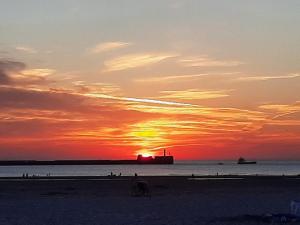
x=171, y=199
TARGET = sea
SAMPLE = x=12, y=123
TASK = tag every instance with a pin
x=178, y=168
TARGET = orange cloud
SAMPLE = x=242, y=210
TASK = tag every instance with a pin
x=26, y=49
x=264, y=78
x=134, y=61
x=183, y=78
x=142, y=100
x=108, y=46
x=194, y=94
x=38, y=72
x=205, y=61
x=170, y=78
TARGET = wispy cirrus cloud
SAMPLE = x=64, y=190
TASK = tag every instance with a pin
x=141, y=100
x=104, y=88
x=38, y=72
x=134, y=61
x=205, y=61
x=108, y=46
x=180, y=78
x=281, y=107
x=194, y=94
x=26, y=49
x=264, y=78
x=282, y=111
x=33, y=77
x=170, y=78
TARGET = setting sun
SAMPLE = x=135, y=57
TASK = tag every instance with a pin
x=145, y=154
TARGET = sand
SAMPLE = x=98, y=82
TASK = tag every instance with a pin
x=173, y=200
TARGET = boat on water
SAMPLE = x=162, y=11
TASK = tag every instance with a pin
x=244, y=161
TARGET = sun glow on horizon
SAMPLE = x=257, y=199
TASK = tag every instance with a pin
x=145, y=154
x=149, y=136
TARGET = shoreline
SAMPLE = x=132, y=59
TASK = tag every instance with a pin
x=115, y=177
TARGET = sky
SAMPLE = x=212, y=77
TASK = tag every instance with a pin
x=96, y=79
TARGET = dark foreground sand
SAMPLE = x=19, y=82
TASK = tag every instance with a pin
x=174, y=200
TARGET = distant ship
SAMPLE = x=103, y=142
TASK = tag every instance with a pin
x=244, y=161
x=140, y=160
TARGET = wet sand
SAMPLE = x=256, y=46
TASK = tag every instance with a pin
x=173, y=200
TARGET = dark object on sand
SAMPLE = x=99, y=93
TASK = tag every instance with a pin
x=140, y=188
x=244, y=161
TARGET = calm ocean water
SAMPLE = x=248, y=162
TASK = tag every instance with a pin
x=179, y=168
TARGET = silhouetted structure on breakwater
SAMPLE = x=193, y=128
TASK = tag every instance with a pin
x=140, y=160
x=244, y=161
x=156, y=160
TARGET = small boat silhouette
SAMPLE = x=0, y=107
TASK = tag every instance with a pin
x=244, y=161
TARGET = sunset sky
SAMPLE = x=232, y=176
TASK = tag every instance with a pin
x=105, y=79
